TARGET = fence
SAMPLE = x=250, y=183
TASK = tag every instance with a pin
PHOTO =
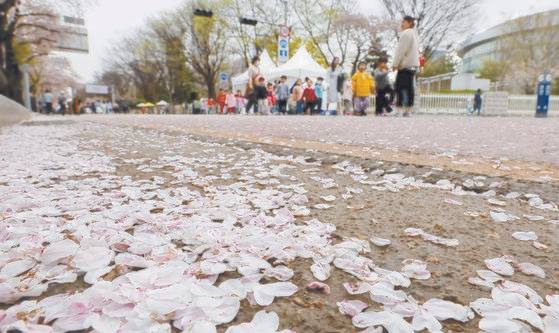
x=518, y=105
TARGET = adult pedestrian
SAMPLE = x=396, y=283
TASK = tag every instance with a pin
x=62, y=103
x=296, y=100
x=48, y=99
x=406, y=62
x=254, y=73
x=347, y=96
x=478, y=100
x=282, y=95
x=363, y=87
x=333, y=77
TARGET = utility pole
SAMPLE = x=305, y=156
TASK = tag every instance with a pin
x=285, y=12
x=284, y=35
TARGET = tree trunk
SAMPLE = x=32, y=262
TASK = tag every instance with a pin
x=210, y=84
x=13, y=75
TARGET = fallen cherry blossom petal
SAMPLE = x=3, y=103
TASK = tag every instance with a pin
x=351, y=308
x=531, y=269
x=499, y=266
x=319, y=286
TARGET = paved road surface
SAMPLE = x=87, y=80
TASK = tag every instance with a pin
x=524, y=139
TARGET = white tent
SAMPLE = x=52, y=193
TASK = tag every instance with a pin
x=301, y=65
x=266, y=65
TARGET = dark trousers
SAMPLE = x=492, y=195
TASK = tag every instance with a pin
x=252, y=102
x=319, y=106
x=48, y=108
x=282, y=106
x=405, y=88
x=384, y=98
x=309, y=106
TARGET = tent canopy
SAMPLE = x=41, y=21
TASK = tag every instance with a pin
x=162, y=103
x=266, y=65
x=301, y=65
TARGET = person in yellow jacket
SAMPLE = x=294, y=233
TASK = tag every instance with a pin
x=363, y=86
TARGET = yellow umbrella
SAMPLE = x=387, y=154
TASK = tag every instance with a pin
x=141, y=105
x=149, y=105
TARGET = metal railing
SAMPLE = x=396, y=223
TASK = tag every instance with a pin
x=518, y=105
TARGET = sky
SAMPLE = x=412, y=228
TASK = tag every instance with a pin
x=108, y=20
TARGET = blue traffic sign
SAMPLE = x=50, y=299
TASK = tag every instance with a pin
x=543, y=91
x=223, y=77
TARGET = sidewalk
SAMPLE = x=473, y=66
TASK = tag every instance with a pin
x=12, y=113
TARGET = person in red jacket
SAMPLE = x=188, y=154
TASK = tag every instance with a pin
x=221, y=100
x=309, y=97
x=272, y=100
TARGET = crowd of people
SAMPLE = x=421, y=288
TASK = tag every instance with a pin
x=48, y=104
x=336, y=94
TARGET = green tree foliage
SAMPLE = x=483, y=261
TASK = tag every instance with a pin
x=437, y=66
x=493, y=70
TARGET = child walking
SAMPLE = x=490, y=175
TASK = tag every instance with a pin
x=261, y=93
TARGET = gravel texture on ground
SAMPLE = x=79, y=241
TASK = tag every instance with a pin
x=113, y=228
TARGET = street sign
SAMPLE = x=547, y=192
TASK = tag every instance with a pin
x=284, y=31
x=543, y=91
x=223, y=80
x=283, y=49
x=93, y=89
x=72, y=35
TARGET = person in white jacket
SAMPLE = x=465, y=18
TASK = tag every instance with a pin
x=406, y=62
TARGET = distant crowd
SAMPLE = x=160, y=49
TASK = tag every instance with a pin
x=340, y=95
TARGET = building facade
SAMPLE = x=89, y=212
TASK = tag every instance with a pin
x=537, y=34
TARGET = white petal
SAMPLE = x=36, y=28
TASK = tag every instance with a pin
x=380, y=241
x=526, y=315
x=499, y=266
x=264, y=294
x=105, y=324
x=202, y=327
x=92, y=258
x=551, y=324
x=234, y=287
x=212, y=268
x=59, y=250
x=531, y=269
x=525, y=236
x=281, y=273
x=17, y=267
x=357, y=288
x=393, y=323
x=444, y=310
x=425, y=320
x=384, y=293
x=415, y=269
x=266, y=321
x=351, y=308
x=489, y=275
x=321, y=271
x=499, y=325
x=481, y=282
